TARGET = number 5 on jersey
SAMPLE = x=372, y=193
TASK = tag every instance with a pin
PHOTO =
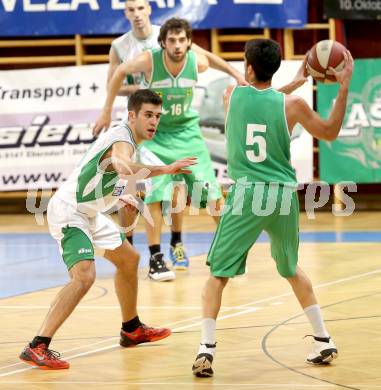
x=258, y=154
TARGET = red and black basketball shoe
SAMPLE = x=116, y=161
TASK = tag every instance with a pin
x=143, y=334
x=43, y=358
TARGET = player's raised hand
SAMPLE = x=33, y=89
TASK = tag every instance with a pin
x=103, y=122
x=344, y=76
x=302, y=73
x=180, y=166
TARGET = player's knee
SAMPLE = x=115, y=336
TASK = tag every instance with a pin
x=85, y=279
x=223, y=281
x=135, y=257
x=220, y=281
x=129, y=263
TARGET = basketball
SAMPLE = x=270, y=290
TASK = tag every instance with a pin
x=325, y=54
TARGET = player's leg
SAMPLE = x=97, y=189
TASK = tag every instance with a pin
x=177, y=252
x=211, y=304
x=77, y=251
x=284, y=235
x=204, y=189
x=324, y=349
x=133, y=332
x=127, y=222
x=82, y=277
x=126, y=260
x=154, y=153
x=159, y=191
x=236, y=233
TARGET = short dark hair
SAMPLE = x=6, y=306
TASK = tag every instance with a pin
x=174, y=24
x=141, y=96
x=264, y=56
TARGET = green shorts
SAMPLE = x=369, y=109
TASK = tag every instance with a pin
x=251, y=210
x=77, y=233
x=202, y=184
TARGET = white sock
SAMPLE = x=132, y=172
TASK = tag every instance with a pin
x=208, y=336
x=208, y=331
x=313, y=314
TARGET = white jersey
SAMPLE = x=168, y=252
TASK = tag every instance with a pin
x=128, y=47
x=90, y=188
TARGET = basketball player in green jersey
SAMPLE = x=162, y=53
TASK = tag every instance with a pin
x=76, y=221
x=259, y=122
x=172, y=72
x=144, y=36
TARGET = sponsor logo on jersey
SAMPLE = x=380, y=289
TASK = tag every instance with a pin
x=84, y=250
x=118, y=190
x=174, y=97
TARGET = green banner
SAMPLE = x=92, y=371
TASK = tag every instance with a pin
x=356, y=154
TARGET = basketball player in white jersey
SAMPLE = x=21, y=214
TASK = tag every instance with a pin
x=105, y=177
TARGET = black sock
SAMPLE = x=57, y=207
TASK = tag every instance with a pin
x=175, y=238
x=131, y=325
x=130, y=239
x=40, y=340
x=154, y=249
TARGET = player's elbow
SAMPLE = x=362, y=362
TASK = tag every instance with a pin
x=330, y=137
x=121, y=166
x=121, y=71
x=330, y=133
x=334, y=130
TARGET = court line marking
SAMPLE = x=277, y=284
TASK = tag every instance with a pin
x=101, y=307
x=196, y=384
x=298, y=371
x=199, y=322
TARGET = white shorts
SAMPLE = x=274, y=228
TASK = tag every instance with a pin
x=77, y=233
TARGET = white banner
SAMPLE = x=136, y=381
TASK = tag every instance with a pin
x=46, y=117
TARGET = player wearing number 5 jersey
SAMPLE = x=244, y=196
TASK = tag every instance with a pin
x=259, y=122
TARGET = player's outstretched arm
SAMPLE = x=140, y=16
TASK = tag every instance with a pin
x=218, y=63
x=226, y=98
x=138, y=64
x=297, y=109
x=121, y=153
x=114, y=62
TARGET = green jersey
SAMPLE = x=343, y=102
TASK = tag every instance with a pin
x=176, y=92
x=258, y=140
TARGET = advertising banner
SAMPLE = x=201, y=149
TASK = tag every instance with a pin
x=96, y=17
x=352, y=9
x=356, y=154
x=46, y=117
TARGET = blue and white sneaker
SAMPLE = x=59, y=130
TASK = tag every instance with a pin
x=178, y=257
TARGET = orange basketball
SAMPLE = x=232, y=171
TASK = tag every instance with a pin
x=323, y=55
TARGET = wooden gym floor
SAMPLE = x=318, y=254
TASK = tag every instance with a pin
x=260, y=328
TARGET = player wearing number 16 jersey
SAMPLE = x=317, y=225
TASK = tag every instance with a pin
x=263, y=198
x=172, y=71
